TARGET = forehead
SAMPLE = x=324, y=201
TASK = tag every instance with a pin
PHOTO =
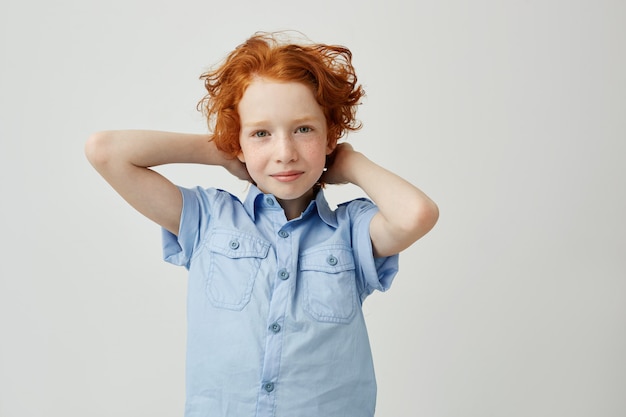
x=266, y=99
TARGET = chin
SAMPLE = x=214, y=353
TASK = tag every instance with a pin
x=293, y=194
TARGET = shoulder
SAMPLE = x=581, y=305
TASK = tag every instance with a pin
x=355, y=208
x=355, y=215
x=345, y=213
x=210, y=203
x=209, y=195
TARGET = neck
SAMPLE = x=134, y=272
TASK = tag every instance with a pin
x=294, y=208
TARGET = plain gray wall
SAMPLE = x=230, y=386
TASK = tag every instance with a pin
x=510, y=114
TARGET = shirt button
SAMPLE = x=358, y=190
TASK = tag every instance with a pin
x=283, y=274
x=234, y=244
x=283, y=234
x=275, y=327
x=332, y=260
x=268, y=386
x=269, y=201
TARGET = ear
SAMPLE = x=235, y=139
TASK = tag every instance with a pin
x=241, y=157
x=330, y=147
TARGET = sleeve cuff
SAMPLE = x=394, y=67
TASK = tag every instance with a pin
x=376, y=273
x=178, y=250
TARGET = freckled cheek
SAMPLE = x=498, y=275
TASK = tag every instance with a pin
x=316, y=154
x=253, y=162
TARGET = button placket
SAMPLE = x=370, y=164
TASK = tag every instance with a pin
x=275, y=329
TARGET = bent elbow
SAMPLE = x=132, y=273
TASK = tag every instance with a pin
x=423, y=218
x=431, y=215
x=97, y=149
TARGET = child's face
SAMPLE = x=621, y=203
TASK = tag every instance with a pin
x=283, y=139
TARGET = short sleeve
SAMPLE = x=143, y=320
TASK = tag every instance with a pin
x=195, y=215
x=374, y=273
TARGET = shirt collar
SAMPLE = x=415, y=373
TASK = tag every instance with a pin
x=256, y=199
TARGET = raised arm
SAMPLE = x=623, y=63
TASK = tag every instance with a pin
x=405, y=213
x=124, y=158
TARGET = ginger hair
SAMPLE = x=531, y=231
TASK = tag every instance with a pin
x=326, y=69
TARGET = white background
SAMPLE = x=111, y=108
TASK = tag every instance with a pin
x=511, y=115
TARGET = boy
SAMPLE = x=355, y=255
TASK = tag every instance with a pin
x=276, y=282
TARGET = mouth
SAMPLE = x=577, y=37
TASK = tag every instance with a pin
x=287, y=176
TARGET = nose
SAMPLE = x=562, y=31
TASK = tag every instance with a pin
x=285, y=149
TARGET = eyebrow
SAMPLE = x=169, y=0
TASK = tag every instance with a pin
x=255, y=124
x=261, y=123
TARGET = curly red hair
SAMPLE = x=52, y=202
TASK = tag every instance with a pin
x=327, y=69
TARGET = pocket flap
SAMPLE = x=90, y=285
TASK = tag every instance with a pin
x=234, y=244
x=331, y=259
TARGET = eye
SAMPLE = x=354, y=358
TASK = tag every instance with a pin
x=260, y=133
x=304, y=129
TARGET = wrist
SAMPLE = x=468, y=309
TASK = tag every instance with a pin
x=354, y=164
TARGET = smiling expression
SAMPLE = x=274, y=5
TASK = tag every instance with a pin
x=283, y=140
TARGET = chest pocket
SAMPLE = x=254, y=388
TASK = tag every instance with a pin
x=329, y=287
x=234, y=263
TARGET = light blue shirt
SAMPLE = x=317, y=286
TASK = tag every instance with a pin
x=275, y=326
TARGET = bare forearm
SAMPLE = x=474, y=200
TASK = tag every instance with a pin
x=144, y=148
x=405, y=212
x=124, y=158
